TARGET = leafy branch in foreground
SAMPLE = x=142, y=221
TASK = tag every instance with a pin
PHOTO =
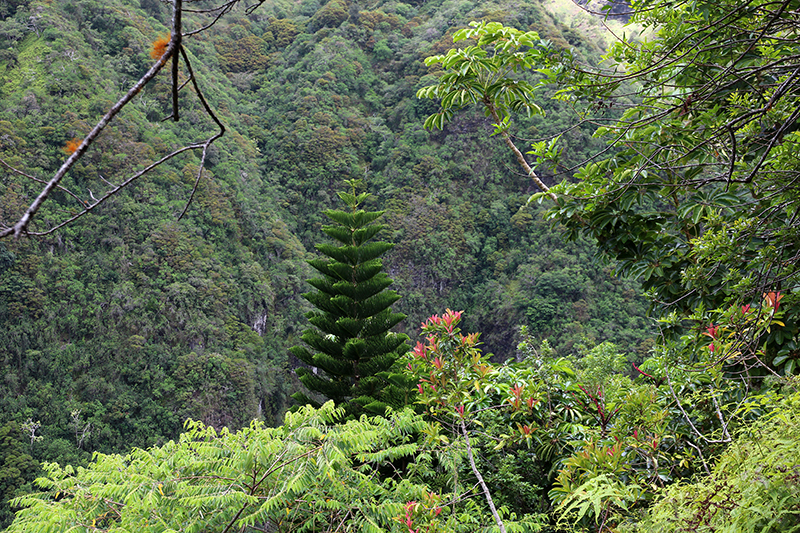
x=450, y=362
x=700, y=199
x=754, y=486
x=310, y=474
x=483, y=74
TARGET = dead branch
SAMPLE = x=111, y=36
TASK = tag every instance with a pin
x=174, y=51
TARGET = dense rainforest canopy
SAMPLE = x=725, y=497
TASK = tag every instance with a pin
x=152, y=316
x=178, y=296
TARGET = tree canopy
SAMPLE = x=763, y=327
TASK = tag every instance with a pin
x=699, y=197
x=352, y=342
x=134, y=318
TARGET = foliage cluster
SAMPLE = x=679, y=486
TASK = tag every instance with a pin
x=603, y=446
x=754, y=486
x=691, y=205
x=700, y=201
x=310, y=474
x=137, y=320
x=122, y=325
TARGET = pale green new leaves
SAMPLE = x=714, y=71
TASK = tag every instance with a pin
x=486, y=74
x=753, y=488
x=594, y=496
x=304, y=475
x=481, y=74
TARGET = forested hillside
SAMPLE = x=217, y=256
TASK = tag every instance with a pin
x=369, y=141
x=119, y=326
x=134, y=280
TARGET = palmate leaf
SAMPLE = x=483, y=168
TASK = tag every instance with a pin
x=473, y=75
x=595, y=495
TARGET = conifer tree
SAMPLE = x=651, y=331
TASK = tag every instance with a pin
x=350, y=349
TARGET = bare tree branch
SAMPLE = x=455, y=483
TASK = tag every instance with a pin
x=34, y=178
x=175, y=42
x=174, y=51
x=118, y=188
x=209, y=141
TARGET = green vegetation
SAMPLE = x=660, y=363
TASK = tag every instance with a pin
x=123, y=324
x=762, y=495
x=353, y=344
x=279, y=477
x=139, y=320
x=17, y=466
x=475, y=76
x=699, y=202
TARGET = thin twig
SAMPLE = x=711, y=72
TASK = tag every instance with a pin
x=209, y=141
x=118, y=188
x=702, y=458
x=176, y=41
x=221, y=11
x=21, y=226
x=34, y=178
x=105, y=181
x=482, y=483
x=719, y=415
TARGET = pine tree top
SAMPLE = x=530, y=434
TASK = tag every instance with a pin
x=350, y=348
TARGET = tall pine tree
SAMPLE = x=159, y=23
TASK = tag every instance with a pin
x=351, y=350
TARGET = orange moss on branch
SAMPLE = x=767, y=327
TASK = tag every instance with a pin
x=71, y=146
x=160, y=47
